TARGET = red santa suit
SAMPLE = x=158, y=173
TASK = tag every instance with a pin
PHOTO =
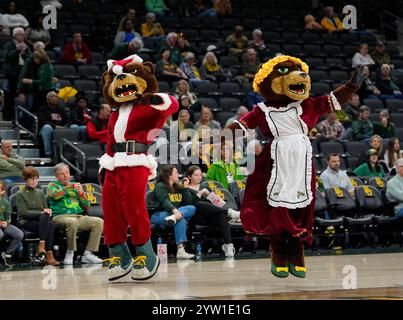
x=124, y=189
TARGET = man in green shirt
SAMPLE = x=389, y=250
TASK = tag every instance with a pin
x=363, y=129
x=394, y=188
x=121, y=51
x=69, y=204
x=11, y=164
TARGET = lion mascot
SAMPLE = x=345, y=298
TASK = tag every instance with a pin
x=279, y=197
x=130, y=86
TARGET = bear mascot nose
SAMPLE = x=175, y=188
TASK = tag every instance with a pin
x=121, y=76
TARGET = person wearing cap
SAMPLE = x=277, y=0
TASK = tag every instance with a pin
x=363, y=129
x=380, y=56
x=189, y=68
x=387, y=84
x=371, y=168
x=394, y=188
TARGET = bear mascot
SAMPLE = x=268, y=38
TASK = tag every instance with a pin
x=279, y=198
x=131, y=86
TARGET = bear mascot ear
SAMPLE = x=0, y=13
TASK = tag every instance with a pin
x=149, y=67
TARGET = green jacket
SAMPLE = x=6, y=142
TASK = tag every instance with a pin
x=5, y=210
x=11, y=58
x=30, y=204
x=219, y=171
x=12, y=166
x=64, y=200
x=120, y=52
x=363, y=171
x=385, y=133
x=28, y=71
x=45, y=78
x=169, y=201
x=175, y=57
x=394, y=191
x=362, y=129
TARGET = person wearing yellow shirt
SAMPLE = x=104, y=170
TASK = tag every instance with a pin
x=152, y=31
x=331, y=22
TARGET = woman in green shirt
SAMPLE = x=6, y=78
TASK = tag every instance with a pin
x=371, y=168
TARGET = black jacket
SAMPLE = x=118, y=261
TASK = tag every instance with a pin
x=52, y=116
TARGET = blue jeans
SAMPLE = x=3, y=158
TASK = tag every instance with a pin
x=399, y=213
x=47, y=136
x=82, y=131
x=180, y=226
x=16, y=234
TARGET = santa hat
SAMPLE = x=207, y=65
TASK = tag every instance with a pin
x=117, y=65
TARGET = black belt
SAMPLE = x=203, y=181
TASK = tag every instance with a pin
x=130, y=147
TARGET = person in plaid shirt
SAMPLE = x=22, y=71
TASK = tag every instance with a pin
x=331, y=128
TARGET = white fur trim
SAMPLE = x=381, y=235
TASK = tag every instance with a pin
x=121, y=123
x=122, y=159
x=336, y=103
x=117, y=69
x=109, y=63
x=165, y=104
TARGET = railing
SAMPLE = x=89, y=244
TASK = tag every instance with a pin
x=34, y=133
x=76, y=150
x=387, y=25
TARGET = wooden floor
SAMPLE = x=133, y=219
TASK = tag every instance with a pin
x=378, y=276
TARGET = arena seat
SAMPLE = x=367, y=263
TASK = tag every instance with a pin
x=95, y=199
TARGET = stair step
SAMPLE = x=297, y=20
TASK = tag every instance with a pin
x=45, y=172
x=29, y=153
x=37, y=161
x=8, y=134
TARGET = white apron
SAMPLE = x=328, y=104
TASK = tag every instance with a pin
x=291, y=151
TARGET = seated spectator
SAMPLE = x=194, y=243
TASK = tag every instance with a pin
x=131, y=14
x=371, y=168
x=242, y=110
x=387, y=85
x=208, y=214
x=376, y=143
x=223, y=7
x=201, y=156
x=393, y=153
x=368, y=88
x=184, y=104
x=97, y=127
x=206, y=120
x=394, y=189
x=69, y=205
x=156, y=6
x=362, y=58
x=311, y=24
x=249, y=67
x=236, y=43
x=183, y=127
x=36, y=31
x=257, y=42
x=4, y=30
x=184, y=46
x=166, y=71
x=353, y=106
x=34, y=215
x=6, y=228
x=183, y=88
x=174, y=207
x=152, y=31
x=171, y=45
x=380, y=56
x=330, y=21
x=331, y=128
x=334, y=177
x=126, y=32
x=190, y=69
x=77, y=52
x=50, y=117
x=124, y=50
x=385, y=128
x=80, y=116
x=203, y=9
x=226, y=170
x=363, y=129
x=211, y=70
x=12, y=18
x=11, y=164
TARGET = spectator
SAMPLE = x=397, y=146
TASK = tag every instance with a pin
x=16, y=52
x=385, y=128
x=166, y=71
x=174, y=207
x=183, y=127
x=36, y=32
x=50, y=116
x=184, y=47
x=183, y=88
x=184, y=104
x=156, y=6
x=249, y=67
x=69, y=205
x=152, y=31
x=242, y=110
x=130, y=14
x=126, y=32
x=80, y=116
x=208, y=214
x=223, y=7
x=257, y=42
x=76, y=51
x=189, y=68
x=211, y=70
x=11, y=164
x=124, y=50
x=352, y=108
x=97, y=127
x=394, y=189
x=371, y=168
x=363, y=129
x=330, y=21
x=362, y=58
x=4, y=30
x=6, y=228
x=376, y=143
x=368, y=88
x=334, y=177
x=203, y=9
x=12, y=18
x=43, y=82
x=206, y=120
x=331, y=128
x=226, y=170
x=171, y=45
x=387, y=85
x=393, y=153
x=380, y=56
x=311, y=24
x=237, y=42
x=34, y=215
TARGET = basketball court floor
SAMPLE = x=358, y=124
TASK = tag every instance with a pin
x=359, y=276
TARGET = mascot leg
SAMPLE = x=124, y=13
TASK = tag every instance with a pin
x=296, y=261
x=146, y=263
x=279, y=257
x=121, y=261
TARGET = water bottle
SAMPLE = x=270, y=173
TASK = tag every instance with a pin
x=198, y=250
x=162, y=250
